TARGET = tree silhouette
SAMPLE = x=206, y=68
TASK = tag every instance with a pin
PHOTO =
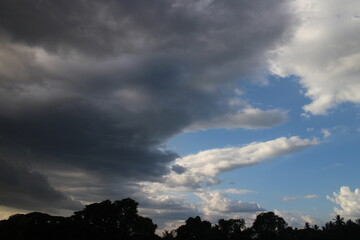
x=33, y=225
x=339, y=221
x=230, y=229
x=104, y=220
x=268, y=226
x=117, y=220
x=169, y=235
x=194, y=228
x=120, y=220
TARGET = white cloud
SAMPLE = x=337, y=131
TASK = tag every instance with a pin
x=297, y=218
x=237, y=191
x=289, y=198
x=250, y=118
x=195, y=171
x=311, y=196
x=326, y=133
x=217, y=205
x=348, y=201
x=203, y=167
x=170, y=208
x=324, y=52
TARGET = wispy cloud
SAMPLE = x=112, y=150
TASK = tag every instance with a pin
x=326, y=133
x=311, y=196
x=203, y=167
x=289, y=198
x=249, y=118
x=237, y=191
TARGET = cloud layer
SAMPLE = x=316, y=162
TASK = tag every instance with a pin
x=90, y=91
x=97, y=87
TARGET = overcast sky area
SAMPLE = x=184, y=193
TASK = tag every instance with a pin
x=216, y=108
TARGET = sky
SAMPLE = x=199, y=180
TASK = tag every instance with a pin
x=221, y=109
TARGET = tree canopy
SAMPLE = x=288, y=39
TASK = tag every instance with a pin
x=120, y=220
x=104, y=220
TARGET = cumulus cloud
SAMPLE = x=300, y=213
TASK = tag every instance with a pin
x=324, y=52
x=170, y=211
x=200, y=171
x=297, y=218
x=348, y=201
x=171, y=208
x=216, y=205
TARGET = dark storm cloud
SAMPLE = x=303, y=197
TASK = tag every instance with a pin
x=178, y=169
x=23, y=189
x=114, y=27
x=101, y=85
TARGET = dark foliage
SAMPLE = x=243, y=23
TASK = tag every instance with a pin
x=230, y=229
x=267, y=226
x=105, y=220
x=195, y=228
x=120, y=220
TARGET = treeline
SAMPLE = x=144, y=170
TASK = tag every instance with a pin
x=119, y=220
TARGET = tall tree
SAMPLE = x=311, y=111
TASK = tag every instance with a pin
x=267, y=225
x=194, y=228
x=107, y=220
x=230, y=229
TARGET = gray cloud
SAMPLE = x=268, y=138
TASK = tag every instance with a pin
x=117, y=27
x=168, y=209
x=178, y=169
x=100, y=86
x=24, y=189
x=251, y=118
